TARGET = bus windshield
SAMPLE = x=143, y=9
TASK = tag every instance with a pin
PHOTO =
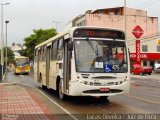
x=101, y=56
x=22, y=62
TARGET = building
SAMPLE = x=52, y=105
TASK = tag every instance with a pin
x=114, y=18
x=16, y=48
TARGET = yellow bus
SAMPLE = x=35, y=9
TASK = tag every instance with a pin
x=21, y=65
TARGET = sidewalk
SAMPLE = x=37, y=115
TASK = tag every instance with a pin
x=20, y=103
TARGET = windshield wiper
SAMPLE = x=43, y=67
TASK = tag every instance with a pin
x=113, y=43
x=92, y=46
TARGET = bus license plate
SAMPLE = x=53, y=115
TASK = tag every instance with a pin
x=104, y=89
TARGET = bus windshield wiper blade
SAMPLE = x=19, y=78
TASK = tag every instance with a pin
x=92, y=46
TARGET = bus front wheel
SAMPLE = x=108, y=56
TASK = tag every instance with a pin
x=60, y=90
x=104, y=98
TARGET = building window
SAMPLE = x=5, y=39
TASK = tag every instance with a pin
x=144, y=63
x=82, y=23
x=158, y=48
x=144, y=48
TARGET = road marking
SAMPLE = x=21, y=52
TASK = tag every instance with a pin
x=8, y=83
x=58, y=105
x=144, y=100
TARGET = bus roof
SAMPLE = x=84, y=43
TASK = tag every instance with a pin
x=70, y=30
x=19, y=57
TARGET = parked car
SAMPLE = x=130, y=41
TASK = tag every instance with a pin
x=157, y=68
x=141, y=70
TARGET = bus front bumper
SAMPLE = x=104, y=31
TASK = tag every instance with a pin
x=80, y=89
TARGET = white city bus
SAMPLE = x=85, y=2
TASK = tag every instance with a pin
x=84, y=61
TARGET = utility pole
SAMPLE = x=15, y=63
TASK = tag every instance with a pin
x=2, y=41
x=6, y=48
x=125, y=17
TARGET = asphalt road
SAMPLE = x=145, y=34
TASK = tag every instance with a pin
x=144, y=98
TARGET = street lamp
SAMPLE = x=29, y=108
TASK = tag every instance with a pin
x=125, y=18
x=56, y=22
x=6, y=47
x=2, y=44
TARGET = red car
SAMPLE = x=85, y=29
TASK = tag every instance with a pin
x=139, y=70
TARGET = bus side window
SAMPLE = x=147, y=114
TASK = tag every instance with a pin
x=41, y=51
x=54, y=50
x=60, y=49
x=35, y=55
x=44, y=54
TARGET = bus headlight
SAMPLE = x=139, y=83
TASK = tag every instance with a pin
x=91, y=83
x=85, y=82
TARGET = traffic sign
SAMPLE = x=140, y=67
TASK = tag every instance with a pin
x=137, y=31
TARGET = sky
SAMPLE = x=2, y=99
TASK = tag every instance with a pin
x=26, y=15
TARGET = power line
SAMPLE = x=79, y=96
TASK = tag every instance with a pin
x=144, y=3
x=147, y=3
x=144, y=40
x=141, y=42
x=152, y=4
x=146, y=37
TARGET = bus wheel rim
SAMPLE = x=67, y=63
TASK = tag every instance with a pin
x=60, y=90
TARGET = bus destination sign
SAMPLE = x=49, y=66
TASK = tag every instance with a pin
x=99, y=33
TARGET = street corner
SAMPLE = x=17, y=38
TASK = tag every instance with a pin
x=22, y=102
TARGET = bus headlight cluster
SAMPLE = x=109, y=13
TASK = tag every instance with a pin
x=88, y=83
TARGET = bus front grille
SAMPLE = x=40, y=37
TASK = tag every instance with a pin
x=98, y=91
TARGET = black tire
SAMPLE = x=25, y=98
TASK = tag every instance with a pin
x=149, y=73
x=60, y=89
x=40, y=80
x=104, y=98
x=43, y=87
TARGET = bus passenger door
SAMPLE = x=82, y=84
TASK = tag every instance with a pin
x=47, y=65
x=66, y=67
x=38, y=60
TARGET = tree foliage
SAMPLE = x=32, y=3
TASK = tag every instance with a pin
x=36, y=38
x=10, y=55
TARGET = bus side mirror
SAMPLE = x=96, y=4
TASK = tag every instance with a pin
x=70, y=45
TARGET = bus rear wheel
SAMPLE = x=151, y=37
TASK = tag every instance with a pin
x=40, y=80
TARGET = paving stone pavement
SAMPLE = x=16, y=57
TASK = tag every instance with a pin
x=20, y=103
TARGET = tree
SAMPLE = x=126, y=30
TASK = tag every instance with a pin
x=38, y=37
x=10, y=55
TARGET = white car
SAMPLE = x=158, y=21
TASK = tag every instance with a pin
x=156, y=67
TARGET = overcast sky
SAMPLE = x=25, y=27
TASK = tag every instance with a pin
x=26, y=15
